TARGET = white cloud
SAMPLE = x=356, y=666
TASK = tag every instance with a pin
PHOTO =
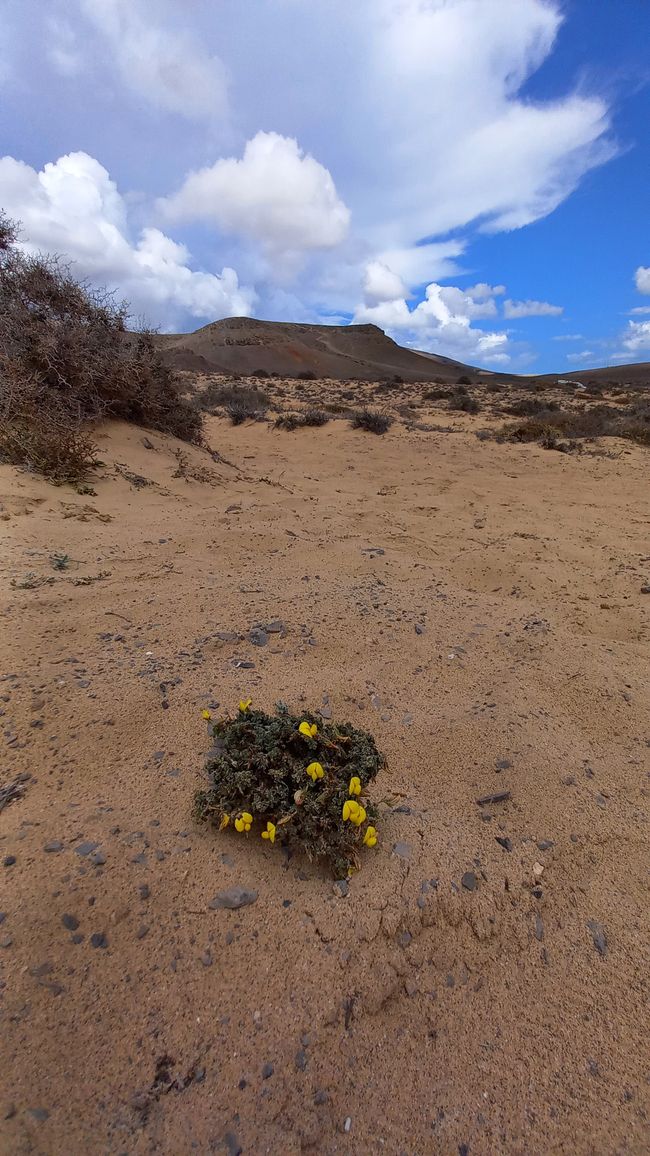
x=481, y=291
x=642, y=279
x=568, y=337
x=641, y=309
x=513, y=309
x=62, y=47
x=275, y=194
x=441, y=323
x=636, y=338
x=381, y=283
x=73, y=207
x=165, y=66
x=585, y=355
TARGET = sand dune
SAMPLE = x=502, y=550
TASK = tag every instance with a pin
x=481, y=987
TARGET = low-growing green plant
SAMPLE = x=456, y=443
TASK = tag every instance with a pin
x=315, y=417
x=59, y=561
x=377, y=423
x=290, y=779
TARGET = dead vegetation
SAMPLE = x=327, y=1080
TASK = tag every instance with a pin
x=66, y=361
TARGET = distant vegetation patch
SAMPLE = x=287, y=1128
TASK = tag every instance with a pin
x=370, y=420
x=551, y=424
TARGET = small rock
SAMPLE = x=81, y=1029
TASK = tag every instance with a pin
x=497, y=797
x=645, y=589
x=419, y=628
x=539, y=928
x=144, y=891
x=147, y=443
x=9, y=1111
x=274, y=627
x=98, y=858
x=53, y=845
x=9, y=861
x=538, y=871
x=469, y=881
x=545, y=845
x=70, y=922
x=206, y=959
x=598, y=934
x=321, y=1097
x=503, y=765
x=6, y=941
x=233, y=1147
x=267, y=1071
x=300, y=1060
x=85, y=848
x=38, y=1114
x=325, y=712
x=341, y=888
x=258, y=637
x=142, y=931
x=233, y=898
x=348, y=1124
x=98, y=939
x=402, y=850
x=504, y=842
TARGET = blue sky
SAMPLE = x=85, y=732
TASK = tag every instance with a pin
x=471, y=175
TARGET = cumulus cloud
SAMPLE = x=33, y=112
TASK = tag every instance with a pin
x=440, y=323
x=636, y=338
x=513, y=309
x=642, y=279
x=381, y=283
x=568, y=337
x=166, y=66
x=73, y=207
x=641, y=309
x=275, y=194
x=584, y=355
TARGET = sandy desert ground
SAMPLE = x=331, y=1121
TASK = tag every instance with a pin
x=482, y=986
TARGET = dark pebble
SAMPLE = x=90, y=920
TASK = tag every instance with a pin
x=70, y=922
x=419, y=628
x=98, y=858
x=545, y=845
x=233, y=898
x=539, y=928
x=142, y=931
x=85, y=848
x=321, y=1097
x=497, y=797
x=274, y=627
x=301, y=1060
x=504, y=842
x=206, y=959
x=341, y=887
x=233, y=1147
x=469, y=881
x=503, y=765
x=402, y=850
x=598, y=934
x=144, y=891
x=267, y=1071
x=98, y=939
x=258, y=637
x=78, y=938
x=8, y=860
x=38, y=1114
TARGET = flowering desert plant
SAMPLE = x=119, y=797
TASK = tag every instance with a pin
x=293, y=780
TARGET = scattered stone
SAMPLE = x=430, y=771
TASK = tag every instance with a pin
x=469, y=881
x=300, y=1060
x=233, y=898
x=497, y=797
x=85, y=848
x=274, y=627
x=419, y=628
x=402, y=850
x=227, y=635
x=593, y=1068
x=258, y=637
x=598, y=934
x=348, y=1124
x=53, y=846
x=147, y=443
x=404, y=938
x=206, y=959
x=539, y=928
x=233, y=1147
x=504, y=842
x=321, y=1097
x=98, y=858
x=70, y=922
x=38, y=1114
x=9, y=861
x=9, y=1111
x=144, y=891
x=142, y=931
x=545, y=844
x=98, y=939
x=78, y=938
x=267, y=1071
x=538, y=871
x=645, y=589
x=325, y=712
x=503, y=765
x=6, y=941
x=341, y=888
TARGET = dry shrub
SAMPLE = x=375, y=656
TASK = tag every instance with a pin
x=377, y=423
x=218, y=395
x=66, y=359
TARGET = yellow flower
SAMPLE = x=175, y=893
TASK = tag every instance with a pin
x=355, y=785
x=315, y=771
x=269, y=833
x=225, y=819
x=310, y=730
x=206, y=715
x=370, y=837
x=350, y=811
x=244, y=704
x=244, y=822
x=360, y=816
